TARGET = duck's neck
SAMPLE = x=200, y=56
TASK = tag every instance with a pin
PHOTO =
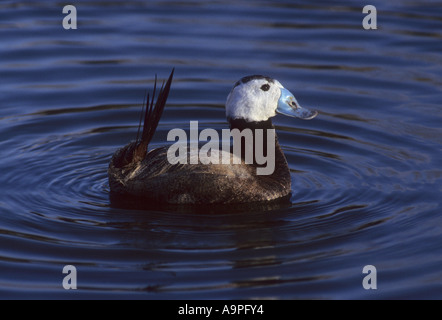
x=242, y=124
x=262, y=135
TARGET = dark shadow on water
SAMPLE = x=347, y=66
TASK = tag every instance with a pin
x=119, y=201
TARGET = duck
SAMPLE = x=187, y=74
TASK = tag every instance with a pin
x=136, y=170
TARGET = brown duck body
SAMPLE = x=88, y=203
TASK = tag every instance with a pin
x=156, y=179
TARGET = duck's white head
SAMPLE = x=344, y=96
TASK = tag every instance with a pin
x=258, y=98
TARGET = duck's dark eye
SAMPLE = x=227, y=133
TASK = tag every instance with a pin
x=265, y=87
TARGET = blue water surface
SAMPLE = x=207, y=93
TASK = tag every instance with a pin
x=366, y=173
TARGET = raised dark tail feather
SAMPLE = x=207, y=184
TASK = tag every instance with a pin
x=152, y=117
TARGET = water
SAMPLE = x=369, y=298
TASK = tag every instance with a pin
x=366, y=172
